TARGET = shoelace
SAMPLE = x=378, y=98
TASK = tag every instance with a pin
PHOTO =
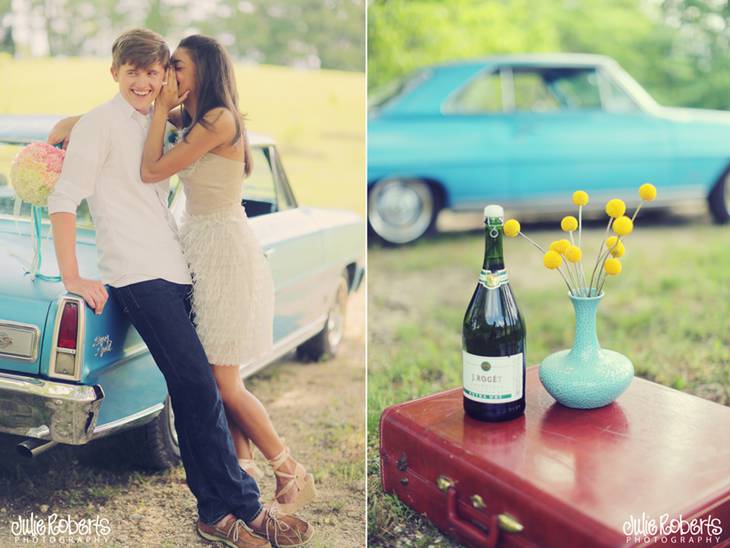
x=278, y=525
x=236, y=530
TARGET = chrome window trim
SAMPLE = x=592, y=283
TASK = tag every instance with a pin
x=508, y=89
x=605, y=79
x=80, y=342
x=281, y=179
x=36, y=332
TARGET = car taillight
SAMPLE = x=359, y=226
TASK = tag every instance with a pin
x=69, y=328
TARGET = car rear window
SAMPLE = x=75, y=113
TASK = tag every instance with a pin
x=388, y=93
x=482, y=95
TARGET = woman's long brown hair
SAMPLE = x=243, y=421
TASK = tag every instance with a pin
x=215, y=87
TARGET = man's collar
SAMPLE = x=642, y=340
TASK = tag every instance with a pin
x=128, y=109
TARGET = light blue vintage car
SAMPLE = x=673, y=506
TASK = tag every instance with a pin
x=526, y=131
x=70, y=376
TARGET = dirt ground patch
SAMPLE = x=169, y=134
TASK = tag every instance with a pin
x=318, y=407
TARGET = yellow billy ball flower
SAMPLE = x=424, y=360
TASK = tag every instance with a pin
x=647, y=192
x=580, y=198
x=612, y=266
x=623, y=226
x=562, y=246
x=512, y=228
x=615, y=246
x=552, y=260
x=569, y=224
x=573, y=254
x=615, y=208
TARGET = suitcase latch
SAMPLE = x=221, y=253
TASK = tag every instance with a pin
x=444, y=483
x=402, y=463
x=477, y=502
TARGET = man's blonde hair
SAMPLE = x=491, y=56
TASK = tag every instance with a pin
x=140, y=48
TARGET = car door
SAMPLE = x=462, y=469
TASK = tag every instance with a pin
x=577, y=128
x=291, y=242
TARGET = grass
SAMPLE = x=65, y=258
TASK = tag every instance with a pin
x=668, y=311
x=316, y=117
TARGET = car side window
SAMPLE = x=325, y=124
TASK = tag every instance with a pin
x=575, y=89
x=531, y=92
x=482, y=95
x=259, y=189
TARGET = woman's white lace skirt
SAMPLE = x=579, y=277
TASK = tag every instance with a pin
x=233, y=290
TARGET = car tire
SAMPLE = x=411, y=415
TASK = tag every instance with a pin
x=719, y=200
x=155, y=444
x=402, y=210
x=325, y=344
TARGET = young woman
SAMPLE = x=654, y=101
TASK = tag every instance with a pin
x=233, y=291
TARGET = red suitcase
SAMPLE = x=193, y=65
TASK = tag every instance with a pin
x=617, y=476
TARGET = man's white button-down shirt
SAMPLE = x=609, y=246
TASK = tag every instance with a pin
x=136, y=235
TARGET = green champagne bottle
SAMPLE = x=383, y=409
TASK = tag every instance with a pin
x=493, y=337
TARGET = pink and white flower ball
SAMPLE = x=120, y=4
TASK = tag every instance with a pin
x=34, y=172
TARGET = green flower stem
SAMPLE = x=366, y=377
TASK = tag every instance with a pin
x=538, y=246
x=636, y=212
x=580, y=224
x=570, y=275
x=600, y=249
x=603, y=260
x=570, y=290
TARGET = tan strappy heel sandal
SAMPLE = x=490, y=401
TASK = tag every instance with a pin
x=299, y=479
x=249, y=466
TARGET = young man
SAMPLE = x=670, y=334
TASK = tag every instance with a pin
x=141, y=260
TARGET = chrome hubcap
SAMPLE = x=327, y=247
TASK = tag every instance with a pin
x=336, y=316
x=400, y=210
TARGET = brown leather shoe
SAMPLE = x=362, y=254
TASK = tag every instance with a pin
x=283, y=530
x=232, y=532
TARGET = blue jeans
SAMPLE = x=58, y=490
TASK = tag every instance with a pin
x=161, y=313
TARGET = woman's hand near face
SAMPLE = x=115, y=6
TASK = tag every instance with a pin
x=169, y=98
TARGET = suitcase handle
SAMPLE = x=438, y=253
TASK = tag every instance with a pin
x=475, y=535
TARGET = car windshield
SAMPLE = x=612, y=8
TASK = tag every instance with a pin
x=381, y=96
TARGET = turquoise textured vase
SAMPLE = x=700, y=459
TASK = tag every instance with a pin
x=586, y=376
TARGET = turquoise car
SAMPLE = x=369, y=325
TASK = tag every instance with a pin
x=69, y=376
x=525, y=131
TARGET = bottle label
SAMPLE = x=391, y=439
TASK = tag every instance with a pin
x=495, y=379
x=492, y=280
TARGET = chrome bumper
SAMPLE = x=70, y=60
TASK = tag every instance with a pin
x=48, y=410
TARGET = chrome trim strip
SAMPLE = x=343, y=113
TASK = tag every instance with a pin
x=136, y=419
x=36, y=332
x=80, y=340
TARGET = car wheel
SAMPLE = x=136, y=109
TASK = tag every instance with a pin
x=401, y=210
x=324, y=345
x=719, y=200
x=155, y=445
